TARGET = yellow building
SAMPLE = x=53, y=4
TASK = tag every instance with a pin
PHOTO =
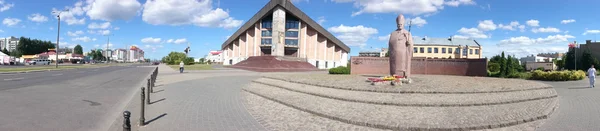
x=446, y=48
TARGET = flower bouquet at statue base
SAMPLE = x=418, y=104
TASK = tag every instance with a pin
x=394, y=80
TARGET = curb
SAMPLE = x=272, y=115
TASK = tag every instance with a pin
x=407, y=92
x=396, y=127
x=18, y=72
x=408, y=104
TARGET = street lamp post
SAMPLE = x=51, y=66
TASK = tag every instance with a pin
x=58, y=35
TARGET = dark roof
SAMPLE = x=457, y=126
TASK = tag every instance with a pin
x=293, y=10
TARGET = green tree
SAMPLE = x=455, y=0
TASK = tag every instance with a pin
x=503, y=67
x=78, y=49
x=493, y=67
x=587, y=60
x=570, y=60
x=27, y=46
x=5, y=51
x=175, y=57
x=202, y=60
x=510, y=69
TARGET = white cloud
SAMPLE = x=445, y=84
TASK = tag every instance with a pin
x=170, y=41
x=384, y=38
x=456, y=3
x=110, y=10
x=533, y=23
x=74, y=34
x=71, y=16
x=522, y=28
x=512, y=26
x=116, y=28
x=51, y=28
x=413, y=7
x=471, y=33
x=353, y=35
x=522, y=51
x=183, y=12
x=567, y=21
x=5, y=6
x=418, y=21
x=151, y=40
x=97, y=45
x=82, y=39
x=486, y=25
x=545, y=30
x=523, y=40
x=11, y=21
x=1, y=31
x=95, y=25
x=177, y=41
x=37, y=17
x=321, y=20
x=591, y=32
x=104, y=32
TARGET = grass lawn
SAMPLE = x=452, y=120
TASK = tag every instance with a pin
x=193, y=67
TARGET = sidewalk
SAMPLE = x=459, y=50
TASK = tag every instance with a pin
x=199, y=101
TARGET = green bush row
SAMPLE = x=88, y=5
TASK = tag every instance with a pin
x=339, y=70
x=557, y=75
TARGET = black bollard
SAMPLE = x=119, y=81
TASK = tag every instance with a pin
x=148, y=85
x=126, y=123
x=142, y=119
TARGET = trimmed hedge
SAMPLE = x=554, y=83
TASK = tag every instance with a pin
x=557, y=75
x=339, y=70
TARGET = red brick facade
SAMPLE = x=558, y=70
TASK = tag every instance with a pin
x=462, y=67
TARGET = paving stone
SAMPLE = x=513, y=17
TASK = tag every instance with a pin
x=412, y=99
x=408, y=118
x=421, y=83
x=278, y=117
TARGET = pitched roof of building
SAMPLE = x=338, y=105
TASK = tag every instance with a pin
x=293, y=10
x=444, y=41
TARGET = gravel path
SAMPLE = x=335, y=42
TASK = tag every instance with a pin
x=477, y=99
x=278, y=117
x=409, y=118
x=421, y=83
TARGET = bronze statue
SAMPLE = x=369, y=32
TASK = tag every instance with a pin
x=401, y=50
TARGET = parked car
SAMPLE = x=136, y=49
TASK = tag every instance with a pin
x=155, y=63
x=39, y=62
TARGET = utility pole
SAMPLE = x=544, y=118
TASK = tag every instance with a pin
x=409, y=25
x=107, y=54
x=58, y=35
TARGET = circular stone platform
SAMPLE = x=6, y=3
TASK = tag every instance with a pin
x=431, y=102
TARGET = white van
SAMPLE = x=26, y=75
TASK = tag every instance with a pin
x=39, y=62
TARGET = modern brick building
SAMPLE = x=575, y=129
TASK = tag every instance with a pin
x=281, y=29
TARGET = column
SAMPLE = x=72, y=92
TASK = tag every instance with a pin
x=278, y=32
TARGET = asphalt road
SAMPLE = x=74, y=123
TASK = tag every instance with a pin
x=579, y=107
x=74, y=100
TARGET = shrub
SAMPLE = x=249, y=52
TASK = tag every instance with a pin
x=521, y=75
x=558, y=75
x=493, y=74
x=494, y=67
x=540, y=68
x=339, y=70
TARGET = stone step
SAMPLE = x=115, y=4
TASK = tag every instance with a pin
x=414, y=99
x=410, y=117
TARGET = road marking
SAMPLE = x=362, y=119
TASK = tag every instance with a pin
x=56, y=74
x=12, y=79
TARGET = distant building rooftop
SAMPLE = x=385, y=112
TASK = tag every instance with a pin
x=444, y=41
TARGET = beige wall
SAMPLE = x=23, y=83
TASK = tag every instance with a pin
x=338, y=54
x=236, y=48
x=302, y=41
x=243, y=45
x=311, y=43
x=321, y=41
x=441, y=55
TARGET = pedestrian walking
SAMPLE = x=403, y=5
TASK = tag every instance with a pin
x=592, y=76
x=181, y=67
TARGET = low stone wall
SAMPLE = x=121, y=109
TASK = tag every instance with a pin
x=462, y=67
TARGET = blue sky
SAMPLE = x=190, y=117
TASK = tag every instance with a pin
x=519, y=27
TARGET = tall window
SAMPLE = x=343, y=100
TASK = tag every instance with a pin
x=443, y=50
x=429, y=50
x=415, y=50
x=292, y=24
x=267, y=24
x=477, y=51
x=470, y=51
x=457, y=51
x=435, y=50
x=449, y=50
x=266, y=41
x=422, y=50
x=267, y=33
x=291, y=34
x=465, y=51
x=291, y=42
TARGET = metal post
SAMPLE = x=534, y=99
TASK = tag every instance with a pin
x=126, y=123
x=57, y=40
x=142, y=119
x=148, y=85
